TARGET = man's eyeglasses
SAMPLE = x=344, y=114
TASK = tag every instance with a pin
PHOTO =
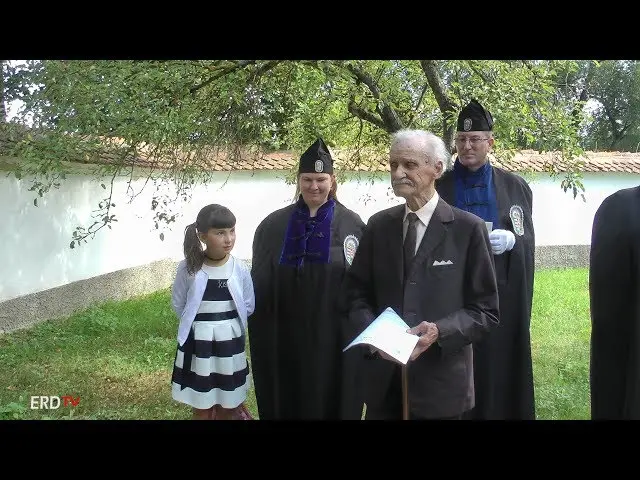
x=472, y=140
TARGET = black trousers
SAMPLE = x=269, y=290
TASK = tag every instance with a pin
x=390, y=408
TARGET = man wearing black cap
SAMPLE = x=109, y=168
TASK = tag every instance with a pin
x=300, y=256
x=502, y=361
x=614, y=289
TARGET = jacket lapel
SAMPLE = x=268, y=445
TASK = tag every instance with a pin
x=435, y=233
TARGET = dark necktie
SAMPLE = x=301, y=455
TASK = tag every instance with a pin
x=410, y=243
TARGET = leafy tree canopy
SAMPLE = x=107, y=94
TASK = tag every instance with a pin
x=179, y=114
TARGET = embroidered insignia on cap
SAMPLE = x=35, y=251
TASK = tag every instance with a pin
x=467, y=124
x=351, y=243
x=517, y=219
x=319, y=166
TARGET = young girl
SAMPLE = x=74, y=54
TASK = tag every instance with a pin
x=213, y=296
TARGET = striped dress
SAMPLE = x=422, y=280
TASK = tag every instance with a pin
x=218, y=373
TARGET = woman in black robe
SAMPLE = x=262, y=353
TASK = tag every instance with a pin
x=296, y=336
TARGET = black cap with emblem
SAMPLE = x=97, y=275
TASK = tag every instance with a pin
x=474, y=118
x=316, y=159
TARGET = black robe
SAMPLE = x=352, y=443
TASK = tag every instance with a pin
x=296, y=336
x=614, y=289
x=503, y=371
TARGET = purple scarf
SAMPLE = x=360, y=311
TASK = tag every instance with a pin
x=308, y=238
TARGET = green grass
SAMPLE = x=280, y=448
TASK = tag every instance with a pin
x=117, y=357
x=560, y=332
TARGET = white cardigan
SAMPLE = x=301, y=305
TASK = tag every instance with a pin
x=188, y=290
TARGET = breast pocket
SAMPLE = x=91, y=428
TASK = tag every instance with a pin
x=442, y=270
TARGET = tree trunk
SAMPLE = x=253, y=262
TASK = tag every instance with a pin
x=448, y=108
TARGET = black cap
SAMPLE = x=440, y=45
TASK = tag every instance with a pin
x=316, y=159
x=474, y=117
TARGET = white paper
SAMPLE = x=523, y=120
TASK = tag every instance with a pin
x=388, y=332
x=489, y=226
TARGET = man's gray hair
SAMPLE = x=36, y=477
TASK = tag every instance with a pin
x=433, y=146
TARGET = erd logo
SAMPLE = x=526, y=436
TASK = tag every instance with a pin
x=53, y=402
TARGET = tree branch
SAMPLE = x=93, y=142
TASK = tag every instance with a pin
x=390, y=120
x=584, y=95
x=591, y=71
x=264, y=68
x=612, y=121
x=624, y=129
x=481, y=74
x=415, y=109
x=364, y=115
x=448, y=108
x=239, y=65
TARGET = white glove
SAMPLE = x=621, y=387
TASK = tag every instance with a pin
x=501, y=241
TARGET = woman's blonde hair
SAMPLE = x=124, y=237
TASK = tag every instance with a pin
x=333, y=191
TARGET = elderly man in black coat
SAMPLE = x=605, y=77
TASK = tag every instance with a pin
x=431, y=263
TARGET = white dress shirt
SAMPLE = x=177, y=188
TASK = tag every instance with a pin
x=424, y=216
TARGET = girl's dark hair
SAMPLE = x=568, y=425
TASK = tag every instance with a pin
x=211, y=216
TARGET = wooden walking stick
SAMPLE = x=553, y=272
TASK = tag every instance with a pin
x=405, y=393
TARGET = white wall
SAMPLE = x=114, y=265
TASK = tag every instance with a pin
x=34, y=246
x=559, y=219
